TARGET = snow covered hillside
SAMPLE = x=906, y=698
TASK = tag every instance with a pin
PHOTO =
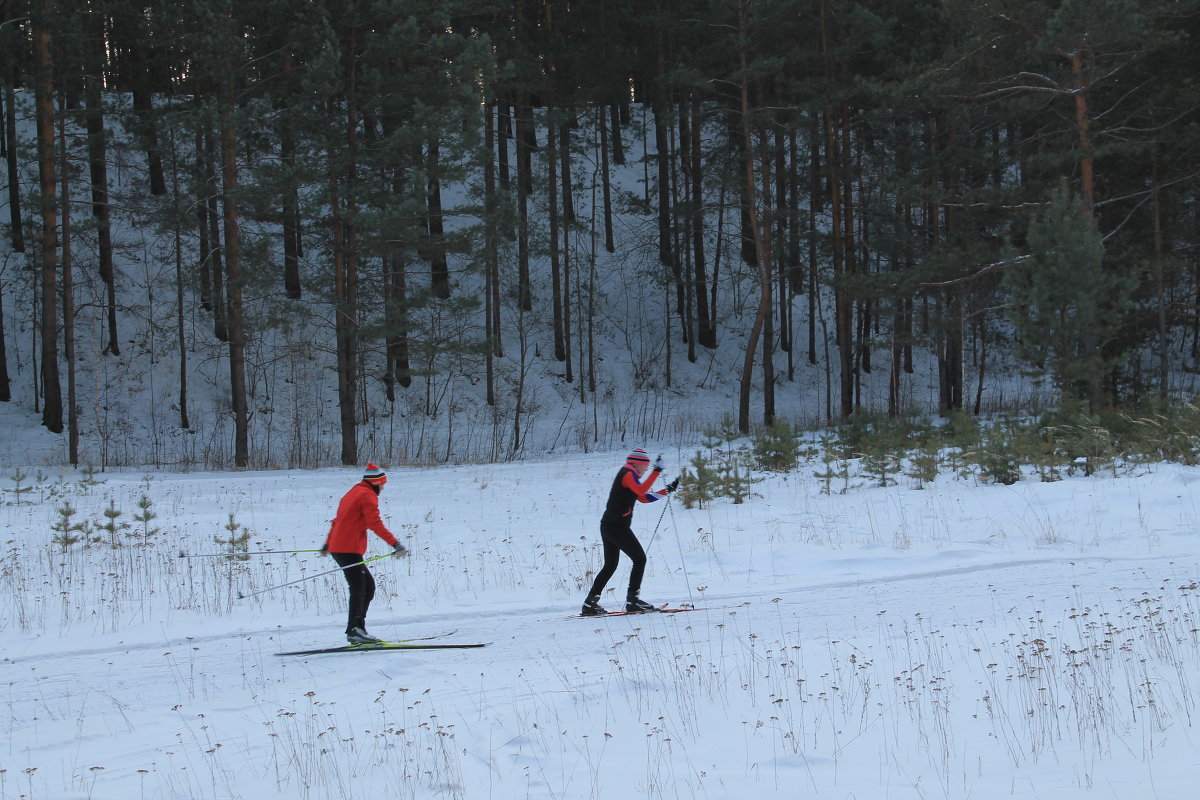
x=1037, y=640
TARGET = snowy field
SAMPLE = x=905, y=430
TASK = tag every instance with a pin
x=957, y=641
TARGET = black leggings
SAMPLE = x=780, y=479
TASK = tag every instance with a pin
x=362, y=587
x=618, y=538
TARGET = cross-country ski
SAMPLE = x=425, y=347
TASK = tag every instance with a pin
x=390, y=646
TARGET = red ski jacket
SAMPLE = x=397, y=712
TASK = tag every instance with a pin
x=357, y=513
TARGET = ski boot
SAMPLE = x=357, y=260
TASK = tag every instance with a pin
x=592, y=607
x=635, y=605
x=359, y=635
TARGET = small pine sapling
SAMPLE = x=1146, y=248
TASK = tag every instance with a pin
x=89, y=478
x=923, y=464
x=777, y=448
x=112, y=524
x=835, y=467
x=18, y=477
x=65, y=530
x=880, y=466
x=698, y=485
x=144, y=517
x=736, y=477
x=238, y=541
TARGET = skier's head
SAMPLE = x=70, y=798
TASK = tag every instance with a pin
x=638, y=460
x=375, y=476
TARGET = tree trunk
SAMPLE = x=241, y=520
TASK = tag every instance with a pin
x=345, y=260
x=524, y=189
x=491, y=305
x=605, y=181
x=293, y=249
x=618, y=146
x=842, y=305
x=68, y=300
x=180, y=316
x=16, y=226
x=235, y=324
x=686, y=284
x=1087, y=179
x=662, y=157
x=5, y=385
x=757, y=232
x=143, y=106
x=439, y=268
x=52, y=410
x=144, y=116
x=98, y=169
x=568, y=198
x=556, y=290
x=814, y=208
x=705, y=321
x=344, y=327
x=204, y=245
x=1164, y=343
x=566, y=217
x=766, y=282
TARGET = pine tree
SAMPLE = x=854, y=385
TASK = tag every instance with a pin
x=1067, y=306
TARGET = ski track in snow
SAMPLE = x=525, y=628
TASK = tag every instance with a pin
x=539, y=614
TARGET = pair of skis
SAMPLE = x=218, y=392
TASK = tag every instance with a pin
x=420, y=643
x=663, y=609
x=424, y=643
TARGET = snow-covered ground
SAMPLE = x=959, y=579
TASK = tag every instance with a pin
x=957, y=641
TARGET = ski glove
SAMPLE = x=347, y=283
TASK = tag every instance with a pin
x=399, y=551
x=325, y=549
x=673, y=485
x=659, y=466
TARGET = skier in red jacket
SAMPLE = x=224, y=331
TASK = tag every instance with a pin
x=357, y=513
x=616, y=530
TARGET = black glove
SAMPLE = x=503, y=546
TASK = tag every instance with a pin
x=658, y=464
x=325, y=549
x=673, y=485
x=399, y=551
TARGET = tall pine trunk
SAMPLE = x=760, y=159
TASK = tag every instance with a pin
x=235, y=314
x=52, y=409
x=97, y=141
x=16, y=228
x=439, y=268
x=68, y=300
x=757, y=233
x=491, y=301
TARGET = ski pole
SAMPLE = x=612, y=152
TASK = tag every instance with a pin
x=248, y=553
x=682, y=561
x=310, y=577
x=660, y=519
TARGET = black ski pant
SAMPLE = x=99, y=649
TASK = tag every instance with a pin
x=618, y=538
x=362, y=587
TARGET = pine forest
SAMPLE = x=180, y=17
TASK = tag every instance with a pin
x=297, y=233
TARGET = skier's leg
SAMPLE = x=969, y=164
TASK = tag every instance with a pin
x=633, y=548
x=357, y=608
x=612, y=555
x=368, y=594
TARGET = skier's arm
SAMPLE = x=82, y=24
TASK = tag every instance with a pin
x=641, y=490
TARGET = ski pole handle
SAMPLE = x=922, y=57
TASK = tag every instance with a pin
x=310, y=577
